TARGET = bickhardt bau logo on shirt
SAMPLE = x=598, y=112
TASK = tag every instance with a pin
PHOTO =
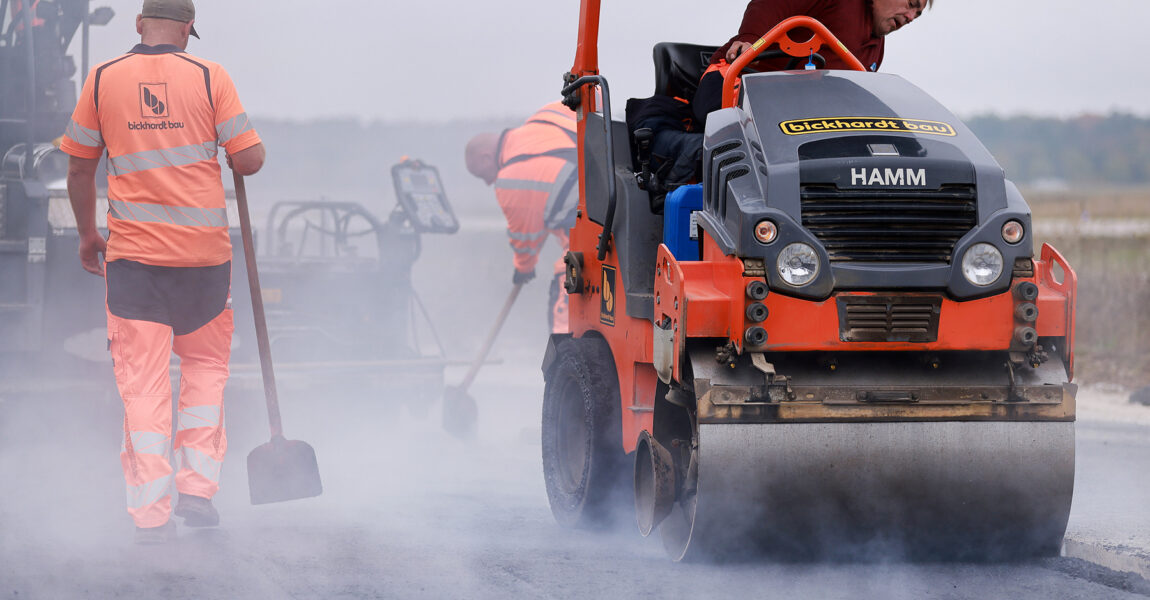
x=154, y=105
x=154, y=100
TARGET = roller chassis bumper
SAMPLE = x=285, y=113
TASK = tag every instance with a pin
x=977, y=389
x=736, y=404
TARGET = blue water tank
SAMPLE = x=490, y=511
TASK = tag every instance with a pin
x=680, y=233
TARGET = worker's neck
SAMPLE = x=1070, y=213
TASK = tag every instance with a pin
x=160, y=39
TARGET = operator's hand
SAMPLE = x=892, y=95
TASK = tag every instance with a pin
x=736, y=49
x=92, y=249
x=520, y=278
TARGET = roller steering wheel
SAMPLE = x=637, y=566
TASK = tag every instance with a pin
x=788, y=47
x=792, y=64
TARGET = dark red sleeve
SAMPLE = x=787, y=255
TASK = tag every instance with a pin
x=760, y=16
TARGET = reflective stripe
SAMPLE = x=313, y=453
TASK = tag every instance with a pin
x=148, y=442
x=563, y=199
x=199, y=462
x=523, y=184
x=526, y=249
x=568, y=117
x=140, y=496
x=192, y=417
x=84, y=136
x=143, y=212
x=526, y=237
x=156, y=159
x=234, y=126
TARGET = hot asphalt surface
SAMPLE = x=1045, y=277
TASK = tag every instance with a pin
x=409, y=511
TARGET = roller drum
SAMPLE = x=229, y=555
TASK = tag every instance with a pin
x=987, y=490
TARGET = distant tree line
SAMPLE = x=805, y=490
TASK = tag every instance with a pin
x=347, y=159
x=1081, y=151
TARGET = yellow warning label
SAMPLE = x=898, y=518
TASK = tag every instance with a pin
x=607, y=297
x=837, y=124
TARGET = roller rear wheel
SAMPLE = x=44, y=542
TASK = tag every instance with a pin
x=583, y=459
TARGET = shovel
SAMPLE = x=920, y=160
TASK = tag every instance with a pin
x=459, y=408
x=281, y=469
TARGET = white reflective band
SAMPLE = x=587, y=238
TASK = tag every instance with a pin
x=84, y=136
x=192, y=417
x=140, y=496
x=526, y=237
x=173, y=215
x=526, y=249
x=523, y=184
x=190, y=458
x=149, y=442
x=157, y=159
x=568, y=117
x=557, y=207
x=233, y=127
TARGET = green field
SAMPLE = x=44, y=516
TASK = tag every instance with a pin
x=1113, y=267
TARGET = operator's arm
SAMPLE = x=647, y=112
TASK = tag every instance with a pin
x=247, y=161
x=82, y=195
x=525, y=231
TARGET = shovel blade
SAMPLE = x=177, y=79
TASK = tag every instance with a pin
x=283, y=470
x=459, y=412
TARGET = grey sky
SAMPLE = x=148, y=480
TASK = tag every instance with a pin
x=438, y=60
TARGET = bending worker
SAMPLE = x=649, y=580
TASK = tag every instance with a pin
x=535, y=172
x=161, y=114
x=861, y=25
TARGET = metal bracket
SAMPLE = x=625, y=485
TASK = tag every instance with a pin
x=777, y=387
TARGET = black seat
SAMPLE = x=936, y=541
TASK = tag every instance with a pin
x=678, y=68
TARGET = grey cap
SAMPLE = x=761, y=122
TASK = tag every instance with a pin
x=176, y=10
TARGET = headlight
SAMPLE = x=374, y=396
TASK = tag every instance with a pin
x=798, y=264
x=982, y=264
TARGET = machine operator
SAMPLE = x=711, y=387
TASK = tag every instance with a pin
x=861, y=25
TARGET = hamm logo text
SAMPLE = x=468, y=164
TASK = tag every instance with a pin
x=838, y=124
x=888, y=177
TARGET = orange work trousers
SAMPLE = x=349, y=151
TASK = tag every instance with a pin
x=141, y=354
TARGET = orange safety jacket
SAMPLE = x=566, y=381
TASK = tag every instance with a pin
x=537, y=183
x=162, y=115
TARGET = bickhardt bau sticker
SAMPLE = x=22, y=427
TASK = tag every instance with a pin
x=837, y=124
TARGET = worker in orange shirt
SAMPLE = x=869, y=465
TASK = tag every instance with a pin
x=535, y=171
x=162, y=114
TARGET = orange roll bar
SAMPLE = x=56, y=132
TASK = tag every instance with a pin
x=822, y=37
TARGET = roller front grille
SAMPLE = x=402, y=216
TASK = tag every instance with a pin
x=888, y=318
x=919, y=226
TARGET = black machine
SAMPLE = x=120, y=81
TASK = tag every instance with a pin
x=337, y=277
x=50, y=314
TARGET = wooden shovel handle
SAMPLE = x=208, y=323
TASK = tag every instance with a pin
x=466, y=383
x=258, y=309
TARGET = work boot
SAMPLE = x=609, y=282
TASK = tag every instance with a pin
x=197, y=511
x=156, y=535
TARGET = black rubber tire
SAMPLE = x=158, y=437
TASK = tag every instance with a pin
x=583, y=459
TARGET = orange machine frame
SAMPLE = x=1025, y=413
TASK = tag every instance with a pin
x=712, y=289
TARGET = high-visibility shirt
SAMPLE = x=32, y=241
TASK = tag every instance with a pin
x=537, y=183
x=162, y=114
